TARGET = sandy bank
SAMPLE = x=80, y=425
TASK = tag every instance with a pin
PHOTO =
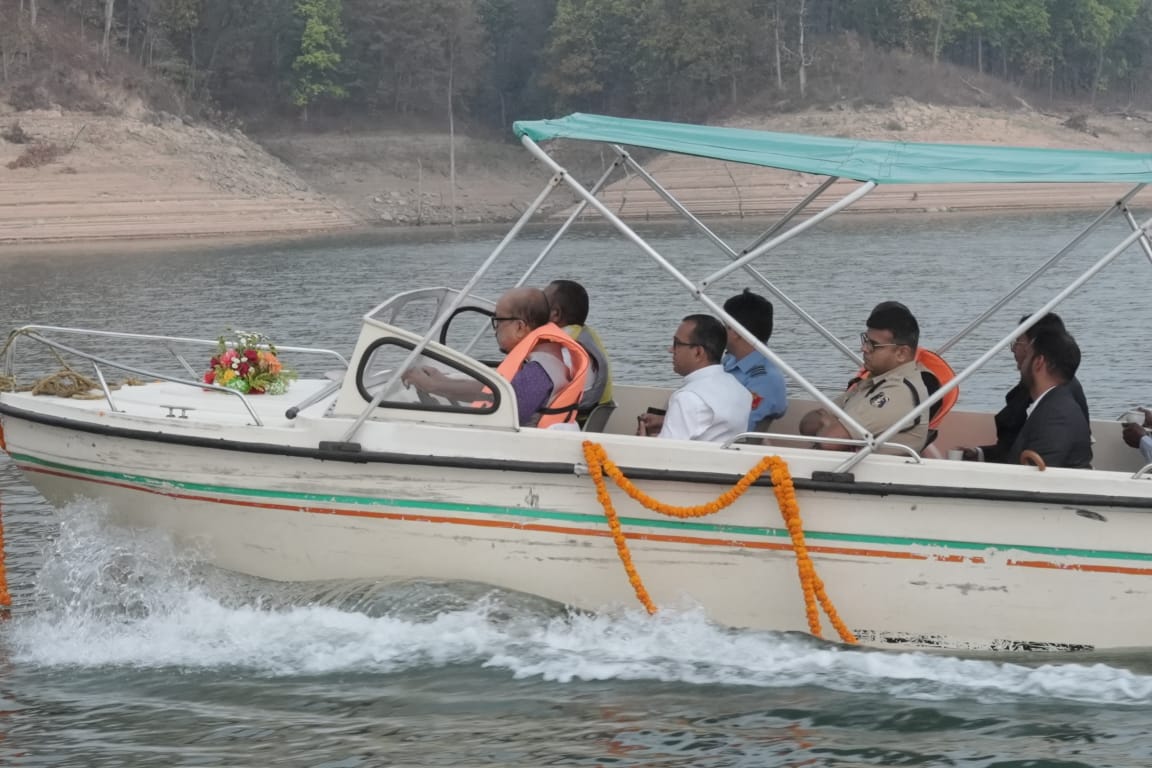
x=124, y=179
x=163, y=180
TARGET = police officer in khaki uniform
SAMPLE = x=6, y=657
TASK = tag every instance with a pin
x=894, y=384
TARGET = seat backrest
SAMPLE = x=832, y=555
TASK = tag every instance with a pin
x=598, y=417
x=931, y=384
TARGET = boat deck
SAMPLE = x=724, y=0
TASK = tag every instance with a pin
x=167, y=400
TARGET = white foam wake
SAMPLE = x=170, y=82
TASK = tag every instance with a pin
x=116, y=598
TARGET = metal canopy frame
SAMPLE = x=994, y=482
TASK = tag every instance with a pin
x=777, y=234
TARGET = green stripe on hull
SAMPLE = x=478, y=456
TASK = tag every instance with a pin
x=580, y=518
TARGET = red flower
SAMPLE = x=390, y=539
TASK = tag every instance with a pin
x=243, y=369
x=210, y=377
x=215, y=361
x=252, y=355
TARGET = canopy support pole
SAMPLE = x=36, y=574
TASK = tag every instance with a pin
x=572, y=217
x=756, y=274
x=784, y=237
x=417, y=350
x=1144, y=244
x=692, y=288
x=1112, y=210
x=1035, y=317
x=796, y=209
x=555, y=239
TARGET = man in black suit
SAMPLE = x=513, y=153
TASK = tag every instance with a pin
x=1010, y=420
x=1057, y=428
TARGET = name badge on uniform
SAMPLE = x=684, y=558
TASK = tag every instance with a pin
x=878, y=400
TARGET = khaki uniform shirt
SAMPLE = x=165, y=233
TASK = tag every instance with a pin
x=878, y=403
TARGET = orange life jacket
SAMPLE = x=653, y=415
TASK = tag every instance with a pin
x=561, y=407
x=938, y=373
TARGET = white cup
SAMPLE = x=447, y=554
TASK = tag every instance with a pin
x=1134, y=417
x=956, y=454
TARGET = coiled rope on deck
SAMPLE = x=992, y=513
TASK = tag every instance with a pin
x=66, y=382
x=815, y=595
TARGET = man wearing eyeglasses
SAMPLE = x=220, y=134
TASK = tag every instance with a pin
x=711, y=405
x=520, y=314
x=894, y=386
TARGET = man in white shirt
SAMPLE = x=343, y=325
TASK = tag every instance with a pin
x=711, y=405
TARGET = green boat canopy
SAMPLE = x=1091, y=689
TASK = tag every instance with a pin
x=882, y=162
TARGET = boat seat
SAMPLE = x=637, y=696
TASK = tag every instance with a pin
x=598, y=417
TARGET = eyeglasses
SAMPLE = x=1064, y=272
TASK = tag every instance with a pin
x=1019, y=341
x=497, y=320
x=677, y=343
x=871, y=345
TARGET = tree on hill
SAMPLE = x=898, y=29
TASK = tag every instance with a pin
x=592, y=53
x=508, y=59
x=319, y=57
x=514, y=33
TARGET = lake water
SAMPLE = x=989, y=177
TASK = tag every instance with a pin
x=123, y=652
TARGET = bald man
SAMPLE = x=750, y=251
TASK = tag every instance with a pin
x=519, y=312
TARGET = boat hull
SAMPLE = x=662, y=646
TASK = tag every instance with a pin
x=903, y=568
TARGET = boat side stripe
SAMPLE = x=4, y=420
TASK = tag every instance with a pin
x=837, y=485
x=172, y=489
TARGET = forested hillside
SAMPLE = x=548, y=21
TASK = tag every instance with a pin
x=491, y=61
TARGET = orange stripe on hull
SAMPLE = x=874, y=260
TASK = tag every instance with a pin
x=565, y=530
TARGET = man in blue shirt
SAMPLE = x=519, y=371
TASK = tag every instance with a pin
x=758, y=375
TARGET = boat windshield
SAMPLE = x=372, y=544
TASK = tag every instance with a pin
x=445, y=315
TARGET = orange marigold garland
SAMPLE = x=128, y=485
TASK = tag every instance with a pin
x=596, y=469
x=813, y=588
x=5, y=597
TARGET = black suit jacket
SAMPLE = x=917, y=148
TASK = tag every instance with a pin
x=1010, y=420
x=1058, y=430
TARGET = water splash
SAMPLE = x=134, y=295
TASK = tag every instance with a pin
x=108, y=596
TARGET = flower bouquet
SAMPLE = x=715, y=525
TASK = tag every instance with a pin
x=247, y=363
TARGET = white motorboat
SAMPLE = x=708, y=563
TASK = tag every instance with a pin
x=356, y=476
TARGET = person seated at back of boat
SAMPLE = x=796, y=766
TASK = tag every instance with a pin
x=751, y=368
x=711, y=405
x=1137, y=435
x=521, y=315
x=894, y=387
x=1056, y=428
x=1010, y=420
x=569, y=307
